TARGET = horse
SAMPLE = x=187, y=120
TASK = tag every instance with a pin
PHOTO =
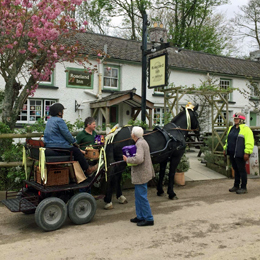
x=166, y=144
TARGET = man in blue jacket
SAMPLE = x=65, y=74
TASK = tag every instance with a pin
x=239, y=145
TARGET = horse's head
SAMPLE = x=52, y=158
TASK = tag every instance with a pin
x=188, y=118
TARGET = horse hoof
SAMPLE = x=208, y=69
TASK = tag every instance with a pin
x=160, y=193
x=109, y=206
x=122, y=200
x=173, y=197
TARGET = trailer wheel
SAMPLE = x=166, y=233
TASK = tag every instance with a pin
x=51, y=214
x=82, y=208
x=21, y=194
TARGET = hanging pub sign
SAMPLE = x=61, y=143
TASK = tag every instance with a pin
x=78, y=78
x=158, y=67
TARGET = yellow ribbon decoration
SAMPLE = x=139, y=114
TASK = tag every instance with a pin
x=42, y=169
x=25, y=162
x=101, y=161
x=188, y=118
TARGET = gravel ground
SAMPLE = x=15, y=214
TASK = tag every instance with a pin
x=206, y=222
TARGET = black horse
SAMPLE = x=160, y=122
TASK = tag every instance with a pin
x=166, y=144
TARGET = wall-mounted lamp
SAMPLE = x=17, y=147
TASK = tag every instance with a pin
x=77, y=105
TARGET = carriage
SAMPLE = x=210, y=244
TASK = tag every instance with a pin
x=52, y=204
x=57, y=197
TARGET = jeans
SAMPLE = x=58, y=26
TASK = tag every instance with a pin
x=142, y=206
x=239, y=166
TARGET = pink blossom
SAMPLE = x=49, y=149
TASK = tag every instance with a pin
x=22, y=51
x=9, y=46
x=99, y=55
x=85, y=22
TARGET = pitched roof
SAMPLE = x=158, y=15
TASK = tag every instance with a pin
x=129, y=50
x=128, y=96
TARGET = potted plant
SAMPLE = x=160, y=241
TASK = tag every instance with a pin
x=183, y=166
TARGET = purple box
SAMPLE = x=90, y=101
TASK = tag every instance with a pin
x=129, y=151
x=99, y=139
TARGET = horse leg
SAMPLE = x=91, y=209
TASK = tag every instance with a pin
x=109, y=192
x=121, y=198
x=161, y=176
x=173, y=165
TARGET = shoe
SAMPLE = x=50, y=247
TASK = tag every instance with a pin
x=241, y=191
x=135, y=220
x=91, y=169
x=233, y=189
x=145, y=223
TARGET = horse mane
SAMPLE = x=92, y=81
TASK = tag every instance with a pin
x=177, y=116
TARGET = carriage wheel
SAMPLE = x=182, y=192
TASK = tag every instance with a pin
x=82, y=208
x=51, y=214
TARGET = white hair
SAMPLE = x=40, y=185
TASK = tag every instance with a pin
x=137, y=131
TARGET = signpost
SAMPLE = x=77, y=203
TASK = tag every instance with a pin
x=158, y=76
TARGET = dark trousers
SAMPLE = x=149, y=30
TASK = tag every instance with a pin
x=239, y=166
x=78, y=156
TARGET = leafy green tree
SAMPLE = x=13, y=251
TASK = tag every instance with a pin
x=97, y=13
x=192, y=24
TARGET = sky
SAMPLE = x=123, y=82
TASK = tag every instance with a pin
x=229, y=11
x=231, y=8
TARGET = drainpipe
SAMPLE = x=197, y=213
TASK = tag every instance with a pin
x=99, y=94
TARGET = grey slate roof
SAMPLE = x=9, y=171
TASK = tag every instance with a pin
x=128, y=50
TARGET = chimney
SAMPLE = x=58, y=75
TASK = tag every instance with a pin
x=158, y=34
x=255, y=55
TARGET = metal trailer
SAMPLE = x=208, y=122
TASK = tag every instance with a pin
x=52, y=204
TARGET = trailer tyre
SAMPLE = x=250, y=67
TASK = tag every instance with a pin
x=82, y=208
x=51, y=214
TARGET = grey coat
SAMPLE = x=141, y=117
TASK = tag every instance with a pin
x=143, y=171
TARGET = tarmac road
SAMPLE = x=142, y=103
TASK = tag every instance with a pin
x=207, y=222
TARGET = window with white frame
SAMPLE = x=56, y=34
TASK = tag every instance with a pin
x=34, y=109
x=159, y=91
x=111, y=77
x=225, y=84
x=158, y=116
x=48, y=82
x=254, y=89
x=220, y=119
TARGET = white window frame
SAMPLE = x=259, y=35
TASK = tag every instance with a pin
x=158, y=115
x=48, y=83
x=39, y=106
x=224, y=84
x=111, y=68
x=252, y=89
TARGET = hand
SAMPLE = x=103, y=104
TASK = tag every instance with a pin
x=224, y=153
x=75, y=145
x=124, y=158
x=246, y=157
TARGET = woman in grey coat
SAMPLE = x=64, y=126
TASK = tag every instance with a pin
x=141, y=173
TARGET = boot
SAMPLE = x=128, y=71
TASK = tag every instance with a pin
x=233, y=189
x=91, y=169
x=241, y=191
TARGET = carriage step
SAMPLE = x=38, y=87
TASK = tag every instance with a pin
x=20, y=204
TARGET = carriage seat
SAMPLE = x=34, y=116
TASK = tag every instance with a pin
x=51, y=155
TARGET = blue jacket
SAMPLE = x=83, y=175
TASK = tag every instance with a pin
x=57, y=134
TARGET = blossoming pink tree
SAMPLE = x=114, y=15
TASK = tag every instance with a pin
x=32, y=40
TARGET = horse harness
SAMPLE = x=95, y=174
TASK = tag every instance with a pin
x=168, y=138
